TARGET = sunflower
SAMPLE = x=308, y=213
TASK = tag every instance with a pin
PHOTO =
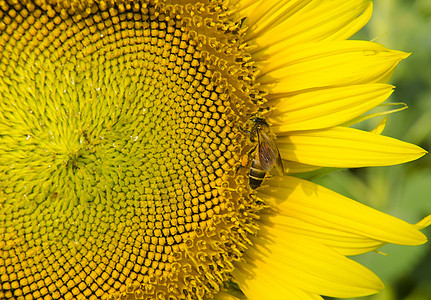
x=128, y=130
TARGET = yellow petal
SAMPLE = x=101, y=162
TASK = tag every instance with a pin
x=346, y=243
x=261, y=284
x=262, y=14
x=346, y=148
x=356, y=23
x=293, y=167
x=286, y=261
x=319, y=206
x=425, y=222
x=384, y=111
x=380, y=127
x=326, y=107
x=328, y=64
x=274, y=25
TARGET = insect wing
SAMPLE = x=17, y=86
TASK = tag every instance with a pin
x=279, y=164
x=268, y=152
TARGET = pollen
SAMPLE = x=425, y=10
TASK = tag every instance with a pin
x=120, y=142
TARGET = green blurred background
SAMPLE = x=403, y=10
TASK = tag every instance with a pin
x=405, y=190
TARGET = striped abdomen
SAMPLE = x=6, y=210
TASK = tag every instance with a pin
x=257, y=174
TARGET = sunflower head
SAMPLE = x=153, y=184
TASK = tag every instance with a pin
x=121, y=134
x=128, y=135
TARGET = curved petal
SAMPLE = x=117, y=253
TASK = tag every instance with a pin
x=336, y=214
x=275, y=25
x=343, y=147
x=281, y=261
x=328, y=64
x=425, y=222
x=326, y=107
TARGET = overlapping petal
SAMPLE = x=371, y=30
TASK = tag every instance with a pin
x=333, y=219
x=276, y=25
x=317, y=81
x=346, y=148
x=262, y=284
x=346, y=243
x=323, y=108
x=283, y=262
x=328, y=64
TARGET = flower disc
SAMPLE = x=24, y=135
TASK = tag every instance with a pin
x=120, y=130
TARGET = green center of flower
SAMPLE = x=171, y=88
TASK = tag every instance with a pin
x=119, y=133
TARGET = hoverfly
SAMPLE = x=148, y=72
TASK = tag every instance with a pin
x=266, y=153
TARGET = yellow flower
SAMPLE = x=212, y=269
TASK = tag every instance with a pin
x=128, y=129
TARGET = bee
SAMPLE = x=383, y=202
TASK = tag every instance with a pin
x=266, y=155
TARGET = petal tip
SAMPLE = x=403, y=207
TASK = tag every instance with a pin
x=425, y=222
